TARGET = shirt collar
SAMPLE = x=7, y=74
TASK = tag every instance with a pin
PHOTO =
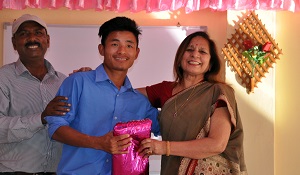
x=101, y=75
x=20, y=68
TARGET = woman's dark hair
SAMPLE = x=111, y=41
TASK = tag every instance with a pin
x=119, y=24
x=214, y=63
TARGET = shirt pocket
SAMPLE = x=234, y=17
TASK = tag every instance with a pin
x=129, y=116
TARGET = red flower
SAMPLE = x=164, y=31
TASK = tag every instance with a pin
x=248, y=44
x=266, y=47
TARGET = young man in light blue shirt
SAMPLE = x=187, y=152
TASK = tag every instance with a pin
x=100, y=99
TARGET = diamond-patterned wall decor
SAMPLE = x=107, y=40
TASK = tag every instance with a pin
x=249, y=27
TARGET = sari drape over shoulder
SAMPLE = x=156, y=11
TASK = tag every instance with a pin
x=193, y=121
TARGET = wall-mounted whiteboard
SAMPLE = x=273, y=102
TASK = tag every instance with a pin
x=75, y=46
x=72, y=47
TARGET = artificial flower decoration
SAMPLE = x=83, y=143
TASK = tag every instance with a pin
x=250, y=51
x=256, y=55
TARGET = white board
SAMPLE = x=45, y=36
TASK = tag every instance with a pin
x=72, y=47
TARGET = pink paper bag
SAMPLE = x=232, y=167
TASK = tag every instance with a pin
x=131, y=163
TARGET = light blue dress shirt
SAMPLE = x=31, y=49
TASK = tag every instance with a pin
x=97, y=105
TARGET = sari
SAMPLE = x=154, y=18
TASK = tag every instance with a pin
x=192, y=121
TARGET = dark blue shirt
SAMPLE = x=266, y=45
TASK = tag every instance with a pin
x=97, y=105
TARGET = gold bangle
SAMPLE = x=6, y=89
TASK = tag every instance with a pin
x=168, y=148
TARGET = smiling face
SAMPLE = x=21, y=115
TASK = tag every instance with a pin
x=196, y=58
x=120, y=51
x=31, y=41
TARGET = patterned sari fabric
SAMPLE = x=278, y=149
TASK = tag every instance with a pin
x=192, y=121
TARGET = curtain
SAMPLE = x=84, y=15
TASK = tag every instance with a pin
x=154, y=5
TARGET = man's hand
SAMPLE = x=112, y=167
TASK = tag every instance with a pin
x=57, y=106
x=114, y=144
x=83, y=69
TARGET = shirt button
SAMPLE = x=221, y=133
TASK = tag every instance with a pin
x=107, y=160
x=116, y=118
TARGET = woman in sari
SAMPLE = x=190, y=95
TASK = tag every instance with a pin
x=201, y=128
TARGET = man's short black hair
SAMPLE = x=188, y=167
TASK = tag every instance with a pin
x=119, y=24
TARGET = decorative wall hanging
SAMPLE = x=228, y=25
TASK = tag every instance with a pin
x=251, y=50
x=152, y=5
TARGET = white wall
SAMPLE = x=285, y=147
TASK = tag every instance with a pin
x=257, y=109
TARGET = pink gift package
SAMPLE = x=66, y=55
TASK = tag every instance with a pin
x=131, y=163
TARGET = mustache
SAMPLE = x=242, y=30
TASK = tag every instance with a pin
x=32, y=43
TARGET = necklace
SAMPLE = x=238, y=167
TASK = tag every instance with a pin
x=183, y=104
